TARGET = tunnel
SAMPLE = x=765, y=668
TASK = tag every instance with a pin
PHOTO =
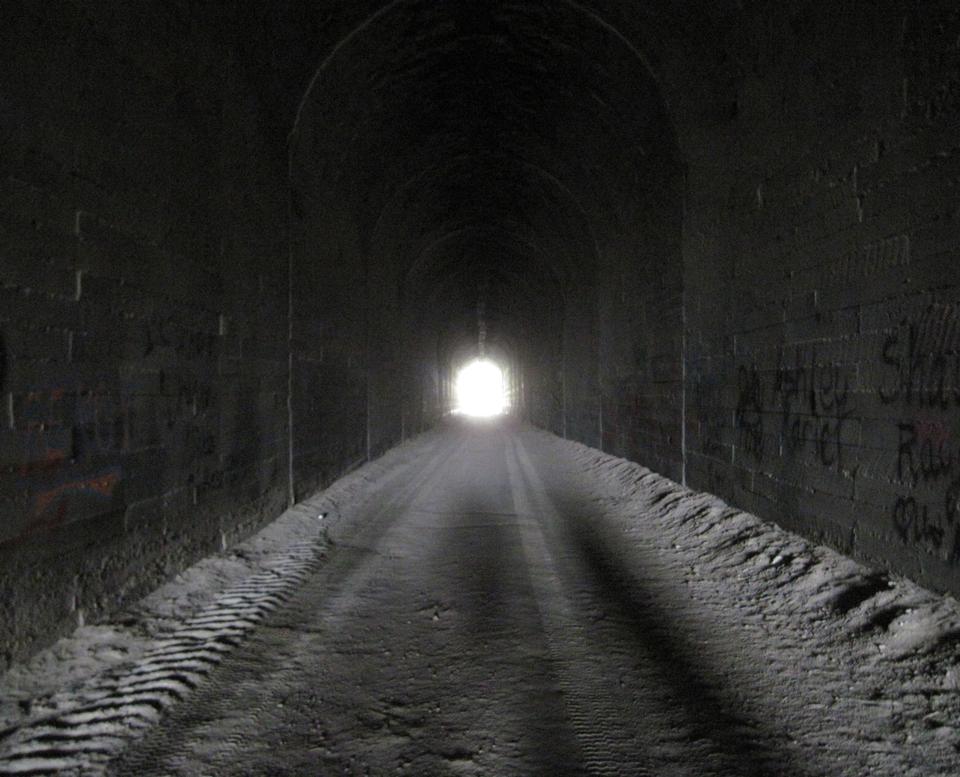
x=710, y=253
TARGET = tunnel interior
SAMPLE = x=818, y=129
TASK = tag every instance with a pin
x=477, y=173
x=245, y=249
x=481, y=388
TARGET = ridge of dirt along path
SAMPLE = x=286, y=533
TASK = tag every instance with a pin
x=520, y=605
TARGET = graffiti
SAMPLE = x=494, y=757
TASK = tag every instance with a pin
x=922, y=360
x=71, y=436
x=709, y=405
x=814, y=406
x=914, y=523
x=67, y=431
x=61, y=424
x=930, y=462
x=83, y=423
x=99, y=423
x=99, y=487
x=927, y=457
x=872, y=258
x=932, y=432
x=918, y=522
x=923, y=452
x=46, y=440
x=749, y=413
x=812, y=399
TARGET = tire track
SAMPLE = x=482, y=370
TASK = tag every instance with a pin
x=164, y=750
x=596, y=715
x=97, y=721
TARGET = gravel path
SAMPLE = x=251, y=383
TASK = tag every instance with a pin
x=507, y=603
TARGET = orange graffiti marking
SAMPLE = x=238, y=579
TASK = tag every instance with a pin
x=51, y=460
x=934, y=432
x=102, y=486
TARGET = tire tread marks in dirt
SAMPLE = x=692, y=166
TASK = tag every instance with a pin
x=160, y=752
x=634, y=631
x=595, y=714
x=100, y=718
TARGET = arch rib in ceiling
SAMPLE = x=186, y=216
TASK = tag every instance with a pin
x=418, y=265
x=537, y=169
x=370, y=20
x=390, y=7
x=490, y=270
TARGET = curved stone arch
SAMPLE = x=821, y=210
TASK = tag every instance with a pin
x=538, y=170
x=607, y=184
x=385, y=10
x=420, y=265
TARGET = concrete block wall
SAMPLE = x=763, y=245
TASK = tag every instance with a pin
x=822, y=278
x=143, y=320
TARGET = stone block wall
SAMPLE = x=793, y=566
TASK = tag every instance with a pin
x=822, y=279
x=143, y=322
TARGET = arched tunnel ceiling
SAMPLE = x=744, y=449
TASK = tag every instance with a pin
x=433, y=125
x=477, y=279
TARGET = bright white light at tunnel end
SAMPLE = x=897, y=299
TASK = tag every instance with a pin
x=480, y=391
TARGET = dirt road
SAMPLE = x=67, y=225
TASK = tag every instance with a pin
x=501, y=610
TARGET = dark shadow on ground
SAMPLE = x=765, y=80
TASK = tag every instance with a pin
x=742, y=744
x=498, y=615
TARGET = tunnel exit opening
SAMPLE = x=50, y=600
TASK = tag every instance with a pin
x=480, y=390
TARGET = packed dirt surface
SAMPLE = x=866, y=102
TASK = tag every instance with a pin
x=493, y=600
